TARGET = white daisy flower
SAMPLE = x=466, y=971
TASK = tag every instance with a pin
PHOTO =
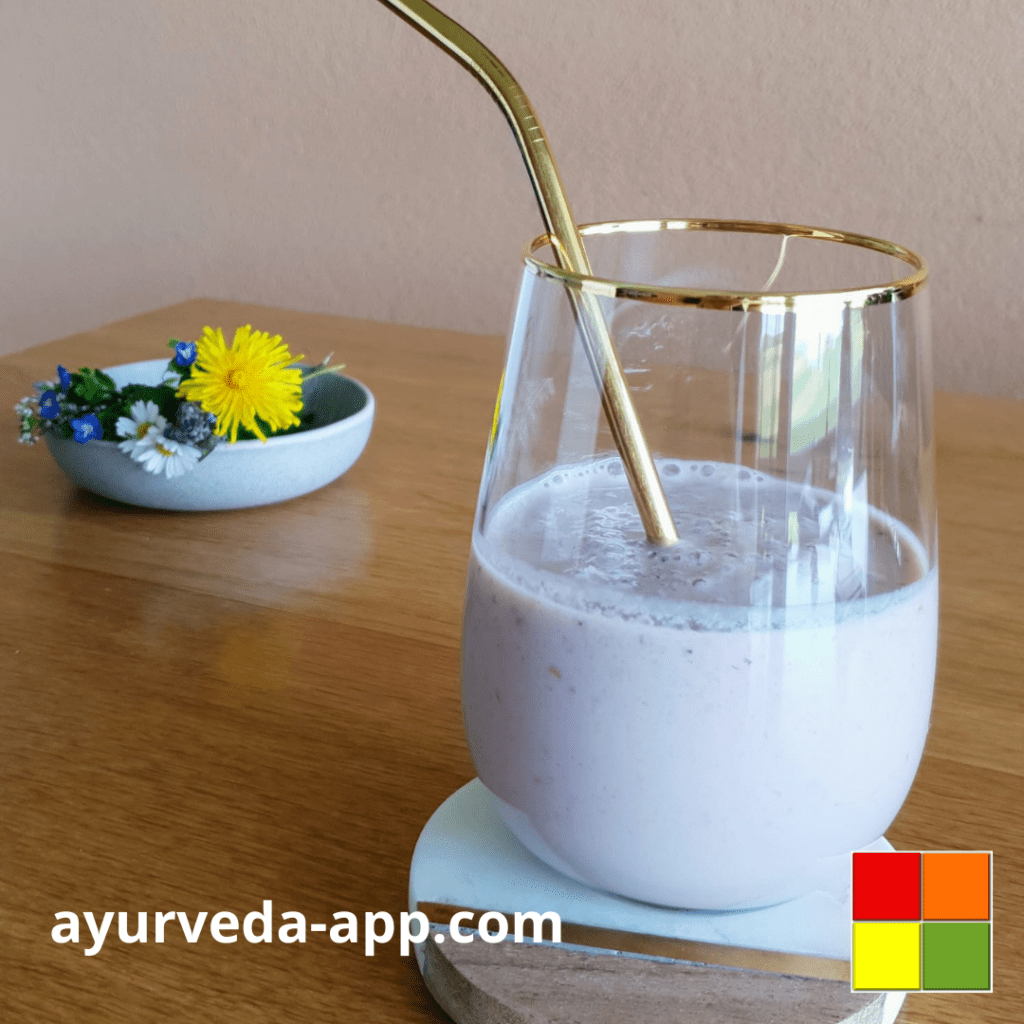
x=159, y=454
x=145, y=416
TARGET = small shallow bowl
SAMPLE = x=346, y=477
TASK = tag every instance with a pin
x=238, y=475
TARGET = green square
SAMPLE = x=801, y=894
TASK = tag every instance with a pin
x=957, y=956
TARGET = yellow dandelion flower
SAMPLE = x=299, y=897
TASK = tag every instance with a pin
x=249, y=379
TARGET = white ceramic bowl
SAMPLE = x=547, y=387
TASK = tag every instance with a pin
x=238, y=475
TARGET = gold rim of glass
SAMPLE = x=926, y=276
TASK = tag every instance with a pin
x=867, y=295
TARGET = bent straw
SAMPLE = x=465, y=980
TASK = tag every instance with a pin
x=569, y=252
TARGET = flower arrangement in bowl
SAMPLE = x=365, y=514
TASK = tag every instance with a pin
x=214, y=427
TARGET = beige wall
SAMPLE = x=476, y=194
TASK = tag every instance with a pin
x=320, y=154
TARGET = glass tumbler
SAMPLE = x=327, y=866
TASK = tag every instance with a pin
x=716, y=724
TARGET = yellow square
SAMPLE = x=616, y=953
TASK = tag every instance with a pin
x=886, y=956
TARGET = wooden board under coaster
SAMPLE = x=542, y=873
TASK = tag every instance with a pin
x=506, y=983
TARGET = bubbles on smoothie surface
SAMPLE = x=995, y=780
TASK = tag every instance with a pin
x=745, y=538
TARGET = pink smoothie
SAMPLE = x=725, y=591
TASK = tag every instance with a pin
x=704, y=726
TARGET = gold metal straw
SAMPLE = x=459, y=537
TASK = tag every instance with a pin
x=569, y=252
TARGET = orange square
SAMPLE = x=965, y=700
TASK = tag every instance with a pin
x=956, y=886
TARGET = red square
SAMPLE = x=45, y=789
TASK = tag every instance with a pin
x=887, y=886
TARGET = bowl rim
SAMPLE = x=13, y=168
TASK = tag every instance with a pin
x=317, y=433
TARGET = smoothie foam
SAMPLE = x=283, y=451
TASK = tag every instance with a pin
x=703, y=726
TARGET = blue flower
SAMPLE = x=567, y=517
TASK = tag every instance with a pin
x=87, y=428
x=65, y=378
x=185, y=353
x=49, y=407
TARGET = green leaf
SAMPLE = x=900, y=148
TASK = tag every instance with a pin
x=108, y=422
x=162, y=394
x=92, y=386
x=305, y=423
x=184, y=372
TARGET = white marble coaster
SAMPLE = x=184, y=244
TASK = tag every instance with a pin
x=467, y=858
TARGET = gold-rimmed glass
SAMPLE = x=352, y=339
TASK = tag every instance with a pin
x=710, y=725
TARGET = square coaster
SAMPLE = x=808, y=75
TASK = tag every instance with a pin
x=466, y=857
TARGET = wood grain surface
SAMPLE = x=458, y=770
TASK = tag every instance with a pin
x=200, y=712
x=523, y=984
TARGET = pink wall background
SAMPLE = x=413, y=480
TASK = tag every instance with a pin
x=321, y=155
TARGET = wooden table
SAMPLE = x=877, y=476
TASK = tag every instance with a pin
x=204, y=711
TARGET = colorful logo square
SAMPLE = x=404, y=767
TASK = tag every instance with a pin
x=956, y=886
x=921, y=922
x=956, y=955
x=887, y=886
x=886, y=955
